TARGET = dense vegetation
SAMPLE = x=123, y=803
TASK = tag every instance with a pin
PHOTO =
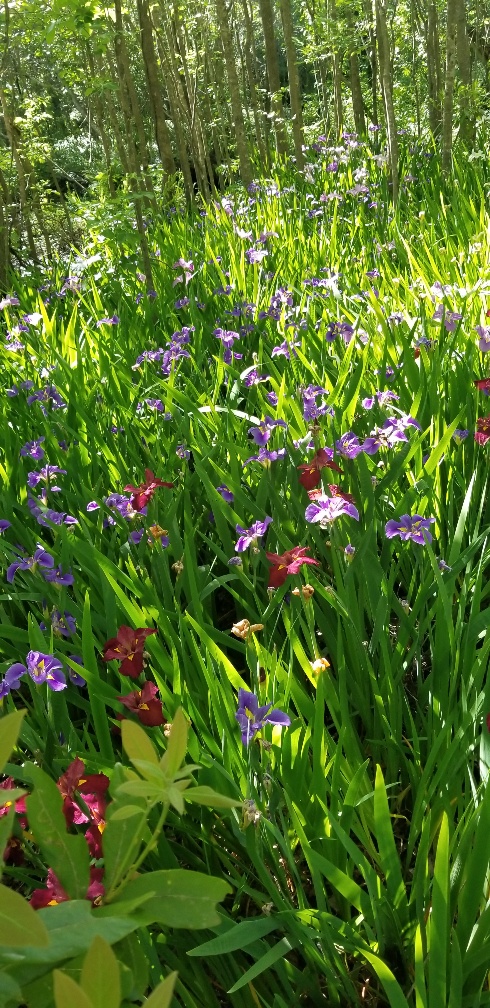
x=245, y=725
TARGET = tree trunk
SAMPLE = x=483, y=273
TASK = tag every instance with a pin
x=246, y=171
x=294, y=85
x=385, y=70
x=4, y=235
x=434, y=82
x=11, y=131
x=133, y=116
x=272, y=64
x=448, y=104
x=99, y=118
x=356, y=92
x=337, y=92
x=466, y=124
x=157, y=108
x=252, y=83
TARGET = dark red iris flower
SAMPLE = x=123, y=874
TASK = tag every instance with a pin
x=13, y=853
x=483, y=384
x=127, y=647
x=143, y=493
x=483, y=430
x=286, y=563
x=92, y=789
x=145, y=705
x=54, y=892
x=310, y=471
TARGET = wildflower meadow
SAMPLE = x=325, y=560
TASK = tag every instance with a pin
x=244, y=616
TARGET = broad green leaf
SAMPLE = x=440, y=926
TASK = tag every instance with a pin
x=100, y=977
x=10, y=726
x=173, y=758
x=68, y=994
x=439, y=922
x=20, y=925
x=265, y=962
x=391, y=986
x=136, y=743
x=207, y=796
x=66, y=854
x=162, y=995
x=179, y=898
x=237, y=937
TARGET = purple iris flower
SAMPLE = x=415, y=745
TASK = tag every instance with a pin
x=57, y=577
x=484, y=341
x=182, y=303
x=248, y=537
x=45, y=668
x=252, y=718
x=136, y=536
x=255, y=255
x=226, y=494
x=113, y=320
x=460, y=435
x=380, y=397
x=410, y=527
x=325, y=510
x=12, y=299
x=272, y=398
x=285, y=349
x=45, y=515
x=12, y=679
x=33, y=448
x=75, y=677
x=254, y=377
x=44, y=475
x=49, y=395
x=348, y=446
x=4, y=525
x=449, y=318
x=262, y=433
x=227, y=336
x=266, y=456
x=64, y=625
x=40, y=558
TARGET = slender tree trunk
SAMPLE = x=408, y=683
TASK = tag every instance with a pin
x=252, y=83
x=385, y=70
x=337, y=92
x=272, y=64
x=448, y=104
x=293, y=76
x=133, y=116
x=177, y=113
x=4, y=235
x=356, y=92
x=434, y=82
x=156, y=102
x=235, y=96
x=11, y=131
x=466, y=125
x=99, y=117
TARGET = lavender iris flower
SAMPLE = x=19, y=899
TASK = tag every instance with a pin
x=449, y=318
x=254, y=377
x=255, y=255
x=248, y=537
x=4, y=525
x=460, y=435
x=226, y=494
x=12, y=679
x=42, y=668
x=64, y=625
x=413, y=527
x=262, y=433
x=252, y=718
x=40, y=558
x=33, y=448
x=75, y=677
x=56, y=576
x=113, y=320
x=44, y=475
x=348, y=445
x=266, y=457
x=326, y=509
x=484, y=341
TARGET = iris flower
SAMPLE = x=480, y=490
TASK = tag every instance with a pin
x=252, y=718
